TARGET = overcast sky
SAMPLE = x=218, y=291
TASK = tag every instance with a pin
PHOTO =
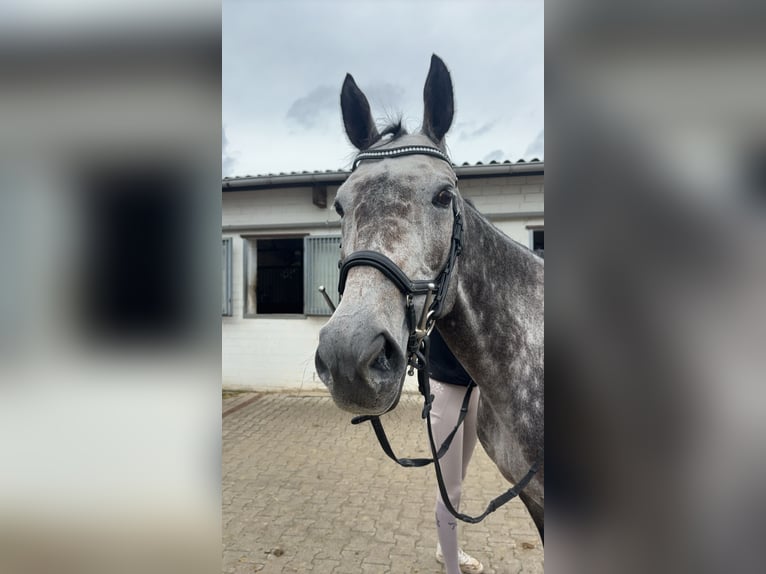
x=284, y=64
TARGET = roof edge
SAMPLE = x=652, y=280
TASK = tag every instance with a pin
x=338, y=177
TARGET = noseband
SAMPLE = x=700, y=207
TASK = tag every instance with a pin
x=435, y=290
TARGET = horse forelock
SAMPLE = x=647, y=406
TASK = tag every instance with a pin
x=394, y=133
x=395, y=129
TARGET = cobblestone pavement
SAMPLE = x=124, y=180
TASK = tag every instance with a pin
x=305, y=491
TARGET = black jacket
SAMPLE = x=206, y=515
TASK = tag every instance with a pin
x=442, y=364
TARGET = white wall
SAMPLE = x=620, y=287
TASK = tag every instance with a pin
x=278, y=353
x=275, y=207
x=264, y=352
x=500, y=196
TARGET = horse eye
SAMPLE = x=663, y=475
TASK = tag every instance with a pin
x=338, y=208
x=443, y=198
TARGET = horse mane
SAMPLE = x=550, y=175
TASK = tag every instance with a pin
x=495, y=228
x=394, y=128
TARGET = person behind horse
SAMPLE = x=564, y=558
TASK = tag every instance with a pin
x=448, y=382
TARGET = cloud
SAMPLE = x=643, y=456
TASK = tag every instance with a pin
x=323, y=102
x=496, y=155
x=474, y=133
x=279, y=97
x=309, y=110
x=227, y=160
x=536, y=149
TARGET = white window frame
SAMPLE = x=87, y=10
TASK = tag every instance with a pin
x=321, y=270
x=226, y=279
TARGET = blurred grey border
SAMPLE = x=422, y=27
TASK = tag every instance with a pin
x=109, y=334
x=656, y=319
x=109, y=326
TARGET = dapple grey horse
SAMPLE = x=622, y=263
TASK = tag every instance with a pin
x=492, y=314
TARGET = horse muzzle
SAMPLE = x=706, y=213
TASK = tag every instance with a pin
x=362, y=366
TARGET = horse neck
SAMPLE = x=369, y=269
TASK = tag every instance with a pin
x=497, y=316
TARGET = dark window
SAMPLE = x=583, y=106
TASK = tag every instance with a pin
x=279, y=276
x=138, y=223
x=538, y=242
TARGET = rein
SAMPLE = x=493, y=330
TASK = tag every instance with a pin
x=425, y=389
x=418, y=344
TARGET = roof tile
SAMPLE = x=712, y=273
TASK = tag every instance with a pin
x=305, y=172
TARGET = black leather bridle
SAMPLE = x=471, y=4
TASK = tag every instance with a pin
x=418, y=343
x=435, y=290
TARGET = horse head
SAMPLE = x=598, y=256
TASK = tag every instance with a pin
x=402, y=207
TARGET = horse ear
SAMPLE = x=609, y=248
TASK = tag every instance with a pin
x=357, y=118
x=438, y=99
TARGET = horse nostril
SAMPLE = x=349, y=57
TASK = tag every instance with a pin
x=321, y=368
x=387, y=356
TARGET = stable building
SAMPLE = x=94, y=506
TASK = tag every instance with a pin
x=280, y=242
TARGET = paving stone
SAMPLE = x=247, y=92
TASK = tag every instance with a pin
x=305, y=491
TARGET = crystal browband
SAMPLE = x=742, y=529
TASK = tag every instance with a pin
x=399, y=151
